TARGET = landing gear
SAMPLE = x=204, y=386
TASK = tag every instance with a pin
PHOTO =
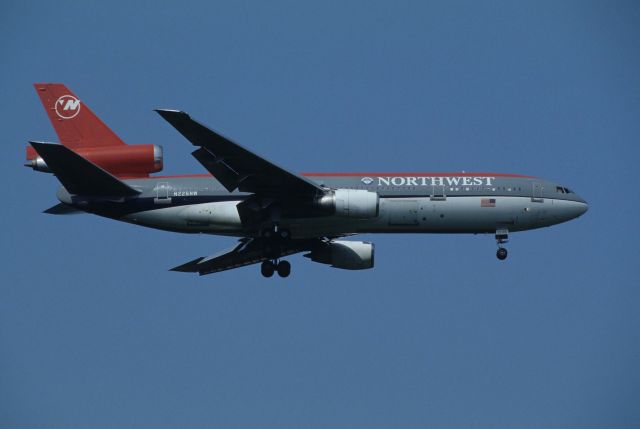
x=275, y=241
x=269, y=267
x=284, y=268
x=502, y=237
x=275, y=232
x=502, y=253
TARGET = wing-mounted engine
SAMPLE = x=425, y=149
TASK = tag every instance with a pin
x=348, y=255
x=121, y=161
x=354, y=203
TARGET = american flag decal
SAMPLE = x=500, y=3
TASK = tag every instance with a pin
x=488, y=202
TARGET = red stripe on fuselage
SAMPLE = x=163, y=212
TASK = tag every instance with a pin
x=179, y=176
x=186, y=176
x=415, y=175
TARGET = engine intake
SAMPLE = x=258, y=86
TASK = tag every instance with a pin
x=355, y=203
x=348, y=255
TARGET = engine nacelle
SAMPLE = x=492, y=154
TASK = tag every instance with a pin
x=355, y=203
x=123, y=161
x=348, y=255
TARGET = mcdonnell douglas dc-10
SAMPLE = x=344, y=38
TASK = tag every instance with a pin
x=274, y=212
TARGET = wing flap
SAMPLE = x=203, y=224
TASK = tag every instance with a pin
x=248, y=251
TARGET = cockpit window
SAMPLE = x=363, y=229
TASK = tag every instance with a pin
x=563, y=190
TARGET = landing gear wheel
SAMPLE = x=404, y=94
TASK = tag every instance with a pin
x=267, y=268
x=284, y=268
x=502, y=253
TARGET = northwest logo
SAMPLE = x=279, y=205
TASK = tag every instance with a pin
x=67, y=107
x=367, y=180
x=433, y=181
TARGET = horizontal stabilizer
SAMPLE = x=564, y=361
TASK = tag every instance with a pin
x=62, y=209
x=80, y=176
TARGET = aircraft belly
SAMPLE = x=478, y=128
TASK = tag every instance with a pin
x=218, y=217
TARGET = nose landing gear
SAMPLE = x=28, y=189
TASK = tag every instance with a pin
x=502, y=253
x=502, y=237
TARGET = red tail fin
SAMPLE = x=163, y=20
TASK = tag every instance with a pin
x=76, y=125
x=80, y=130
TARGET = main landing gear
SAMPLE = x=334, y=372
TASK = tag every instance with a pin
x=275, y=232
x=502, y=237
x=283, y=268
x=274, y=241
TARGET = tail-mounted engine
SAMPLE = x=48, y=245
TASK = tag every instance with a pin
x=354, y=203
x=348, y=255
x=122, y=161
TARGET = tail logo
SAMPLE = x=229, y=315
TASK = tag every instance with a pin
x=67, y=107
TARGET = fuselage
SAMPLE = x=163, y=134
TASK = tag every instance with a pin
x=407, y=202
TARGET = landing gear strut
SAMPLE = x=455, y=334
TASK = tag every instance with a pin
x=276, y=232
x=502, y=237
x=269, y=267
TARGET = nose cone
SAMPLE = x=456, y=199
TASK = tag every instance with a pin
x=581, y=208
x=565, y=210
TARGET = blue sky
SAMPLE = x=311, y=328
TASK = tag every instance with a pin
x=94, y=332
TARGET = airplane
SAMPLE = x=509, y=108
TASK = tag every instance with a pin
x=274, y=212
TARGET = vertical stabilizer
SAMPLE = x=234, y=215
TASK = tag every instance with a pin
x=76, y=125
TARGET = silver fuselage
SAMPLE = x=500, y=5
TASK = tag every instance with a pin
x=408, y=203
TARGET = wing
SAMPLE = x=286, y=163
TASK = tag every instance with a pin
x=248, y=251
x=234, y=166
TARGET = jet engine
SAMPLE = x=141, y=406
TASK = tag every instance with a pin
x=122, y=161
x=348, y=255
x=355, y=203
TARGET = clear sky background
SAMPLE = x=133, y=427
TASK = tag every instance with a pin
x=96, y=333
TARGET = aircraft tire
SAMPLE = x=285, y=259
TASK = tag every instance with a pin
x=284, y=268
x=502, y=253
x=267, y=269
